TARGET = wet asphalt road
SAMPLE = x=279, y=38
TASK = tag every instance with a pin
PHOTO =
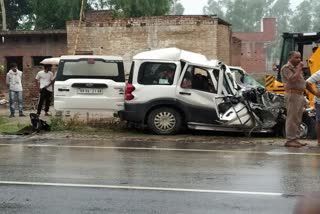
x=65, y=176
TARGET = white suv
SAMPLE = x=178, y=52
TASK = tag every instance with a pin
x=191, y=98
x=89, y=83
x=169, y=89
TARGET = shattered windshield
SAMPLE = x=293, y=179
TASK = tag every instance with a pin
x=250, y=81
x=245, y=80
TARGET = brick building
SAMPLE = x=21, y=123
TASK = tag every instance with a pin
x=27, y=49
x=102, y=34
x=253, y=46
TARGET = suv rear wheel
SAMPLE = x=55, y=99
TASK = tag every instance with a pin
x=165, y=121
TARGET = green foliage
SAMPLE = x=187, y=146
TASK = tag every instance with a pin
x=15, y=10
x=98, y=4
x=10, y=126
x=244, y=15
x=1, y=69
x=77, y=124
x=315, y=15
x=57, y=124
x=138, y=8
x=176, y=8
x=301, y=20
x=52, y=14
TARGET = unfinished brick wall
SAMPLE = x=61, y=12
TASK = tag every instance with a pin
x=127, y=37
x=236, y=48
x=253, y=56
x=224, y=48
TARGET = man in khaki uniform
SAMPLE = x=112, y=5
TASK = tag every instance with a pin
x=294, y=85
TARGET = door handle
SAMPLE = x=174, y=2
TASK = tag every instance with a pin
x=185, y=93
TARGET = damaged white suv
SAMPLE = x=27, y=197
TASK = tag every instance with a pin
x=170, y=89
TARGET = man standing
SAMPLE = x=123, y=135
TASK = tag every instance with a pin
x=46, y=79
x=315, y=79
x=14, y=83
x=294, y=85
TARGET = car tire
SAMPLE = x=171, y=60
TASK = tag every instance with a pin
x=165, y=121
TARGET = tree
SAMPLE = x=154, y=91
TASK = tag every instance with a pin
x=177, y=8
x=138, y=8
x=244, y=15
x=214, y=7
x=301, y=20
x=15, y=10
x=98, y=4
x=3, y=15
x=315, y=15
x=52, y=14
x=282, y=11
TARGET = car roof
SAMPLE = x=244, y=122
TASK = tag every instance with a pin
x=176, y=54
x=236, y=67
x=115, y=58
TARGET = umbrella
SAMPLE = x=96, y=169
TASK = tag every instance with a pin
x=51, y=61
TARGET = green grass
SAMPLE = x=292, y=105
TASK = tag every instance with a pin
x=92, y=126
x=75, y=124
x=10, y=126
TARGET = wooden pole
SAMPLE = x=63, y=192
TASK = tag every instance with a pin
x=79, y=27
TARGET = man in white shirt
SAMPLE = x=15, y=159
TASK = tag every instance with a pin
x=315, y=79
x=14, y=83
x=46, y=79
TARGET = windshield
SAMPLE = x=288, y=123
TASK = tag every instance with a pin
x=91, y=68
x=249, y=81
x=85, y=68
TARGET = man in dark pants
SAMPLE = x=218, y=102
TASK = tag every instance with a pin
x=46, y=79
x=294, y=85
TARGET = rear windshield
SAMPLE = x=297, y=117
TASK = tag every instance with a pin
x=90, y=69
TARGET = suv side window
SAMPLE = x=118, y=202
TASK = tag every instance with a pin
x=154, y=73
x=199, y=79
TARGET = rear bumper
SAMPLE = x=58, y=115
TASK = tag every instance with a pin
x=133, y=113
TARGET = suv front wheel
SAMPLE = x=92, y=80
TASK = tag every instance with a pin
x=165, y=121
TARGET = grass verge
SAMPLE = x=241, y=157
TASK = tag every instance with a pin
x=10, y=126
x=92, y=125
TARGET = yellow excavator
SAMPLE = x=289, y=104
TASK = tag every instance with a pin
x=307, y=44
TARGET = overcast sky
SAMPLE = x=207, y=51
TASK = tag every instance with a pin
x=194, y=7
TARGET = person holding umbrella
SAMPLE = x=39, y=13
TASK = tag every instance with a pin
x=46, y=80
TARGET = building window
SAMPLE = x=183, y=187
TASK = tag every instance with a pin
x=37, y=59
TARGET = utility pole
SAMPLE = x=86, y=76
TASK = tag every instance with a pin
x=83, y=3
x=3, y=12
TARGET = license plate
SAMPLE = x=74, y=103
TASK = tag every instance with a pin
x=90, y=91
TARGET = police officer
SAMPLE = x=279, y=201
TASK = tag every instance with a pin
x=294, y=85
